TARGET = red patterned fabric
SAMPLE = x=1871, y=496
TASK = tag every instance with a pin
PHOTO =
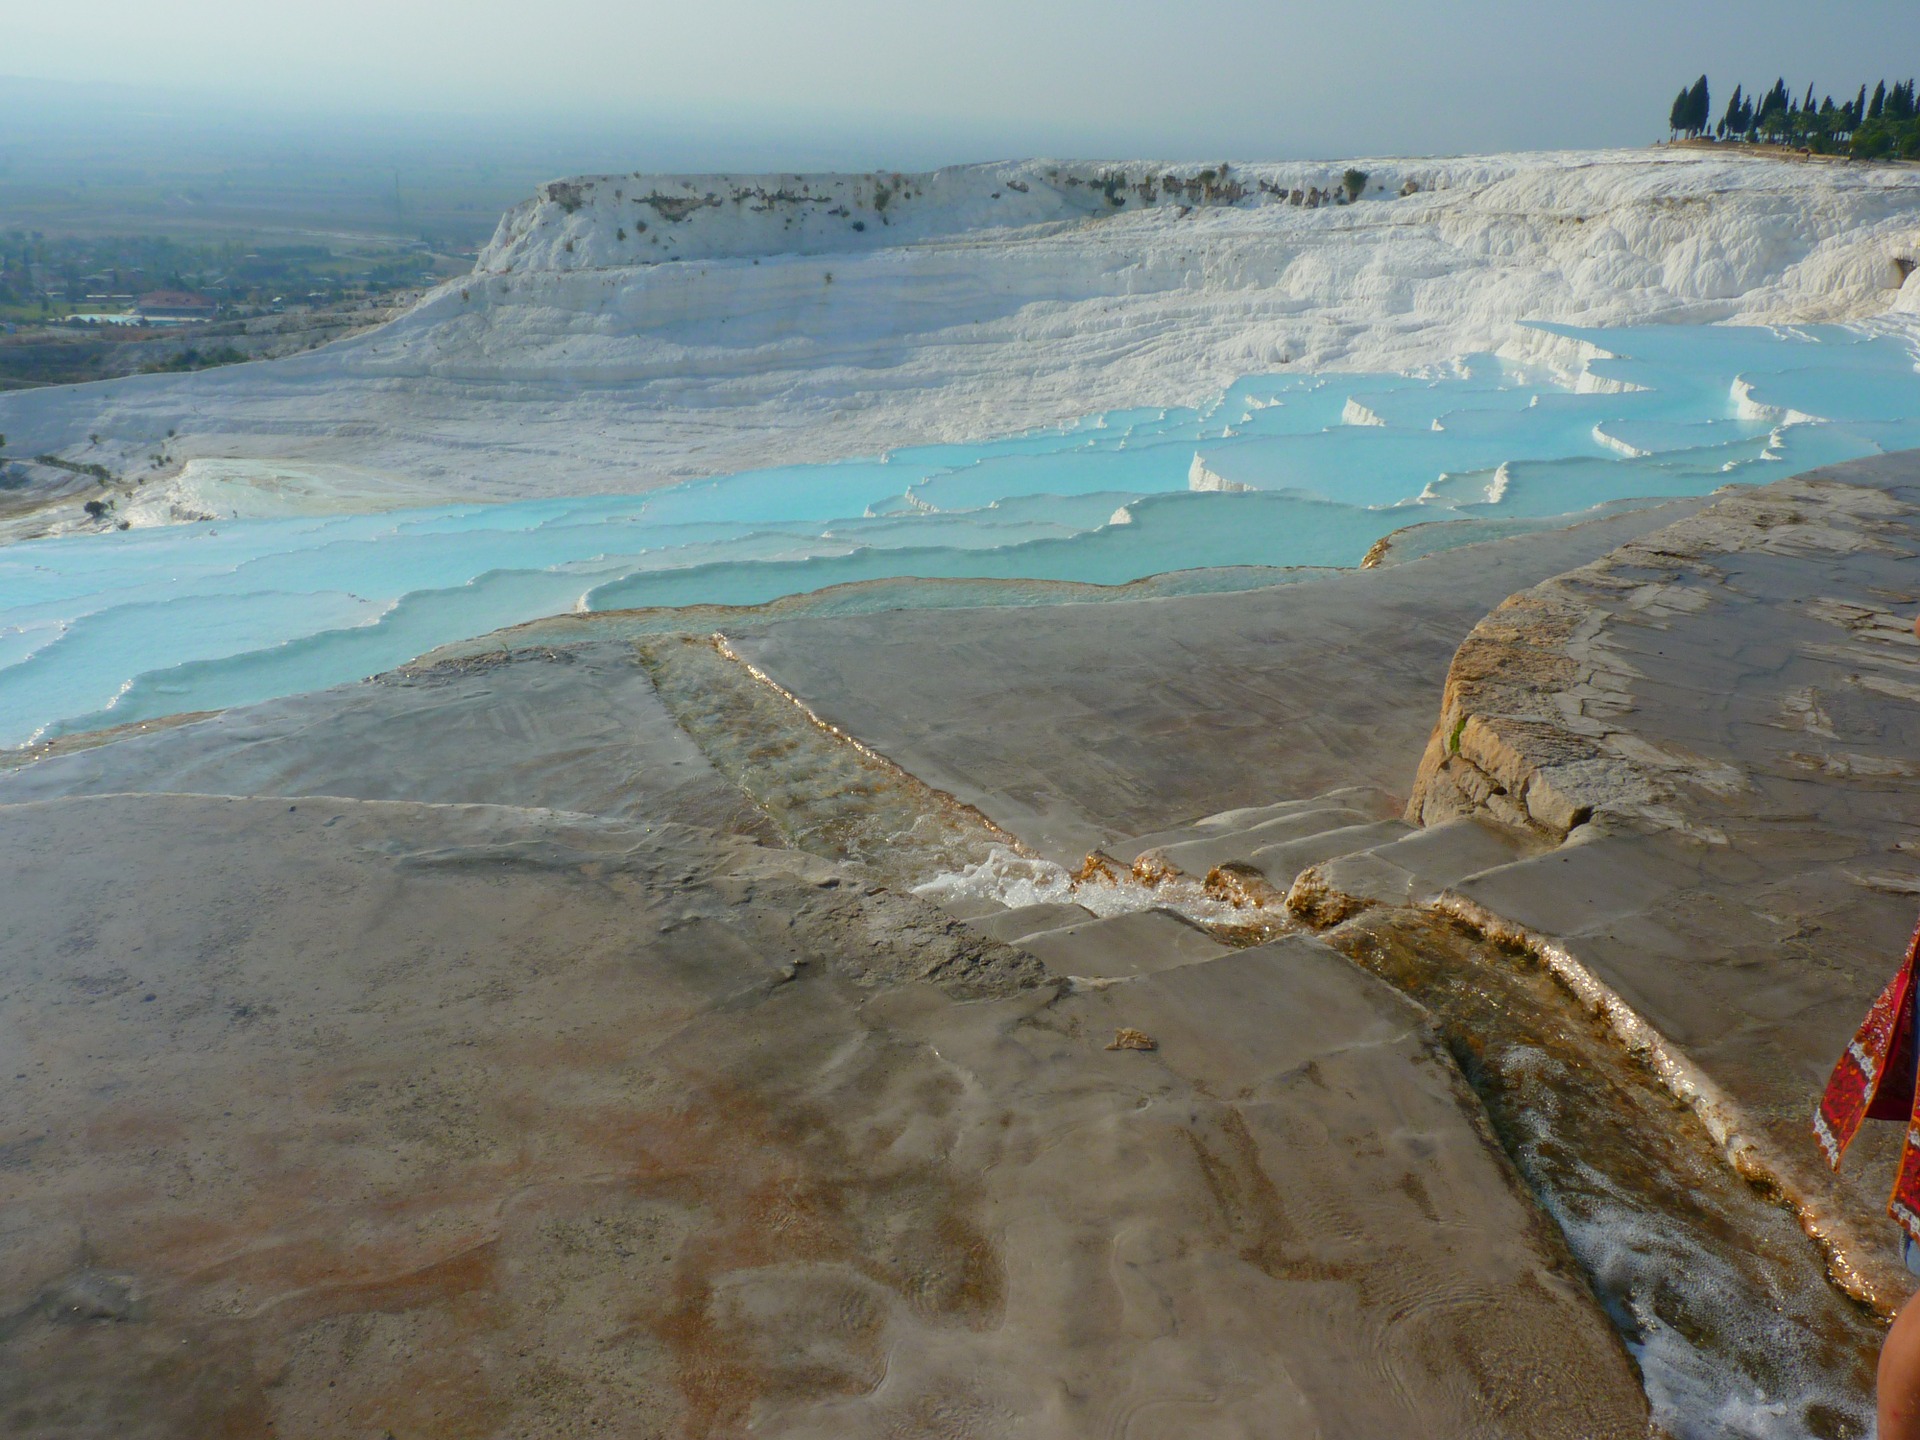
x=1875, y=1081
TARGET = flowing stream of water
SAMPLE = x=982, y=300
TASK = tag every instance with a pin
x=1723, y=1300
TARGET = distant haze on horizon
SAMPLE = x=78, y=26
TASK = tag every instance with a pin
x=858, y=84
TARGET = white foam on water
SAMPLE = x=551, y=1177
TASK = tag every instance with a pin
x=1693, y=1392
x=1644, y=1259
x=1013, y=880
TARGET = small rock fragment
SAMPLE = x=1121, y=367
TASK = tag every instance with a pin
x=1128, y=1038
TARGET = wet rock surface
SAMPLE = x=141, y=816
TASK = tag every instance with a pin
x=337, y=1117
x=576, y=727
x=1731, y=709
x=1074, y=724
x=1545, y=722
x=526, y=1042
x=1683, y=771
x=1724, y=1302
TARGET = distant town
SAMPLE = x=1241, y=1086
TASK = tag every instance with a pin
x=45, y=278
x=88, y=307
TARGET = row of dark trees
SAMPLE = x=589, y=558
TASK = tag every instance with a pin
x=1691, y=113
x=1885, y=123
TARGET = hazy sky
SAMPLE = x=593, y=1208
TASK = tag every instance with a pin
x=899, y=82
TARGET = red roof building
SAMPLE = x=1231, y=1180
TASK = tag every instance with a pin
x=175, y=305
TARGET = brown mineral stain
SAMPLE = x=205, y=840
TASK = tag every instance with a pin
x=779, y=1185
x=134, y=1129
x=434, y=1284
x=1249, y=1205
x=766, y=1180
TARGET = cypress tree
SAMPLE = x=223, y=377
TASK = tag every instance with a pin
x=1731, y=124
x=1878, y=105
x=1773, y=110
x=1700, y=107
x=1858, y=111
x=1763, y=116
x=1677, y=116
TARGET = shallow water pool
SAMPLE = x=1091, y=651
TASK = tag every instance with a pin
x=1280, y=470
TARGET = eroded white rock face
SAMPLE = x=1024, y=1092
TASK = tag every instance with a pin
x=761, y=320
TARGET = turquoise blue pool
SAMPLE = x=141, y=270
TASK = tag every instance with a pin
x=1280, y=470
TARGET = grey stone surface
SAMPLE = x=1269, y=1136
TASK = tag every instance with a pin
x=1432, y=860
x=1586, y=885
x=1363, y=800
x=1445, y=853
x=577, y=729
x=1138, y=943
x=1197, y=857
x=1219, y=1234
x=337, y=1118
x=1073, y=725
x=1011, y=925
x=1412, y=869
x=1283, y=862
x=1683, y=625
x=1294, y=1034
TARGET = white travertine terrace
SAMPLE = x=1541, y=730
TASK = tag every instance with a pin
x=758, y=320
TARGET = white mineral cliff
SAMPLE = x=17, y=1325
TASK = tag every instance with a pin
x=621, y=332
